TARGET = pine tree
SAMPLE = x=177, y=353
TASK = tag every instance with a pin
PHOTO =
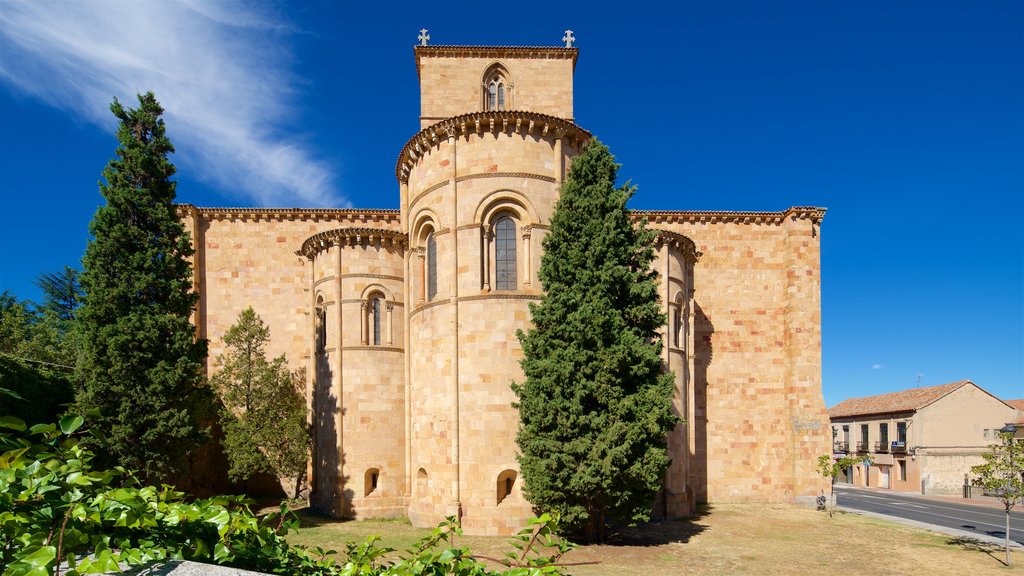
x=62, y=292
x=141, y=367
x=595, y=407
x=264, y=415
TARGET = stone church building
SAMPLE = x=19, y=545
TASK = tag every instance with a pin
x=404, y=321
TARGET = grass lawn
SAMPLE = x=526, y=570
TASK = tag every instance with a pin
x=728, y=539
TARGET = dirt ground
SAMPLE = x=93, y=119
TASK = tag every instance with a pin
x=728, y=539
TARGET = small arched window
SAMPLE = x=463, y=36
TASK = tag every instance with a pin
x=506, y=480
x=505, y=254
x=431, y=267
x=370, y=480
x=421, y=483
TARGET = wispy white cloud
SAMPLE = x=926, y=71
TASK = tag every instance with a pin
x=877, y=366
x=220, y=70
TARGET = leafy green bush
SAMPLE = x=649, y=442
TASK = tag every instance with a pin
x=54, y=507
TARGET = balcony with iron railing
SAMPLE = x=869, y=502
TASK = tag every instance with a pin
x=862, y=446
x=841, y=446
x=881, y=447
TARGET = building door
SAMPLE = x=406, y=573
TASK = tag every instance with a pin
x=883, y=476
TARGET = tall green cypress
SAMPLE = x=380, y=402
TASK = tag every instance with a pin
x=140, y=371
x=595, y=408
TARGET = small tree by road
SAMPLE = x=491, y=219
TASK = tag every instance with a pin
x=264, y=415
x=1002, y=475
x=830, y=466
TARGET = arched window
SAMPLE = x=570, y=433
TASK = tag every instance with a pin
x=370, y=480
x=505, y=254
x=497, y=88
x=375, y=310
x=421, y=483
x=677, y=321
x=506, y=480
x=431, y=267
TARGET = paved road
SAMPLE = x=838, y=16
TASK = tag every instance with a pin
x=986, y=523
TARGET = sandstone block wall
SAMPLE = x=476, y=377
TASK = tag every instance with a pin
x=758, y=417
x=541, y=80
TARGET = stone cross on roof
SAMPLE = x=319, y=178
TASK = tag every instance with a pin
x=568, y=39
x=423, y=37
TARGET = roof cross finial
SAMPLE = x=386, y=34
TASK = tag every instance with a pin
x=568, y=39
x=423, y=37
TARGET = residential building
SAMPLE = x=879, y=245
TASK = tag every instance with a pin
x=919, y=440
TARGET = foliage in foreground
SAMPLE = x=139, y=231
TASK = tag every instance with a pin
x=141, y=365
x=264, y=415
x=1002, y=475
x=55, y=507
x=595, y=409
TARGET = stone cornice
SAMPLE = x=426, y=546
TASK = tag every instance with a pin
x=350, y=236
x=496, y=52
x=351, y=214
x=714, y=216
x=531, y=175
x=679, y=242
x=518, y=121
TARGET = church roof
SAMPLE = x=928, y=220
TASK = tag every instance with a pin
x=545, y=52
x=518, y=120
x=893, y=402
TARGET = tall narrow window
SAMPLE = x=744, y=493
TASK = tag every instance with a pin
x=505, y=254
x=321, y=325
x=901, y=432
x=376, y=320
x=431, y=267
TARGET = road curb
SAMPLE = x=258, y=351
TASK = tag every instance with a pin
x=1001, y=542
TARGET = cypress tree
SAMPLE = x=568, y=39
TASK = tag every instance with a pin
x=264, y=413
x=595, y=407
x=140, y=371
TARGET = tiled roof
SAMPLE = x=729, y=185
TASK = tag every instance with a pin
x=1018, y=404
x=905, y=401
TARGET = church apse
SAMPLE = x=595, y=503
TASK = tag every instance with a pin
x=406, y=319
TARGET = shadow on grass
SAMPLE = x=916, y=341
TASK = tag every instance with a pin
x=660, y=532
x=310, y=518
x=993, y=551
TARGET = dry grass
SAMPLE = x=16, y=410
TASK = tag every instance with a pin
x=730, y=539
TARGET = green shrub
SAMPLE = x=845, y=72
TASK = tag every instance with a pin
x=54, y=507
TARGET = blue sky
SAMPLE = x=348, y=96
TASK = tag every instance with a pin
x=905, y=119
